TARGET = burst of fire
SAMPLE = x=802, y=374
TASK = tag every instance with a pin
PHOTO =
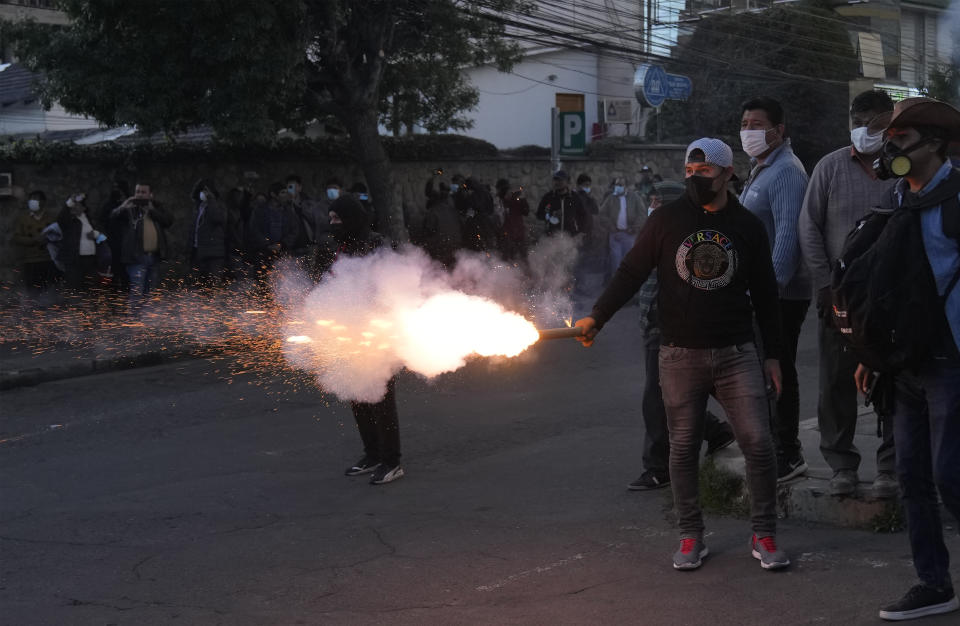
x=433, y=338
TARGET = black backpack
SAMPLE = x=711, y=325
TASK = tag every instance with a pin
x=884, y=296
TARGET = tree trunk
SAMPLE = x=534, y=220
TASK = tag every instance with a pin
x=365, y=139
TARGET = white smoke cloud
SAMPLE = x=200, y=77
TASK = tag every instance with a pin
x=372, y=316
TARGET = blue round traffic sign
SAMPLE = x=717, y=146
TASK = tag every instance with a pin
x=650, y=84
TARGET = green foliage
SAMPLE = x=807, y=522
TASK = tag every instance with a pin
x=409, y=148
x=250, y=68
x=528, y=150
x=891, y=519
x=722, y=492
x=944, y=84
x=165, y=65
x=422, y=83
x=799, y=54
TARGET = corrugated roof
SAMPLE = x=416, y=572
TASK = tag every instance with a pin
x=17, y=85
x=88, y=136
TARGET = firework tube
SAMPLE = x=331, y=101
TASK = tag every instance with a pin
x=560, y=333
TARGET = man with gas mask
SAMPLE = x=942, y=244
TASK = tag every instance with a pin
x=842, y=186
x=713, y=262
x=926, y=393
x=774, y=192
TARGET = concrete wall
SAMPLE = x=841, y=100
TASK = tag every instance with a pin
x=172, y=183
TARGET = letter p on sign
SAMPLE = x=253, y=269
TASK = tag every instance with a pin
x=573, y=134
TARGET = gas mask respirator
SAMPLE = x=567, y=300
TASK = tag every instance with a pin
x=895, y=161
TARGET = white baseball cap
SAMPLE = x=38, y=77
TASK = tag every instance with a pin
x=714, y=151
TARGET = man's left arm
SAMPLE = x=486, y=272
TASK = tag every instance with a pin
x=786, y=199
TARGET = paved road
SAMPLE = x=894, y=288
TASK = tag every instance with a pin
x=186, y=494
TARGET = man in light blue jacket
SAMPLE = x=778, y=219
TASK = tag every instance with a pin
x=774, y=193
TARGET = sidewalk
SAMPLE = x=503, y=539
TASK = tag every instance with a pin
x=808, y=497
x=23, y=363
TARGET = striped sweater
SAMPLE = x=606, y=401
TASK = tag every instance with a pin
x=774, y=193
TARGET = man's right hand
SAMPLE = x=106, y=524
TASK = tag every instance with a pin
x=862, y=376
x=590, y=330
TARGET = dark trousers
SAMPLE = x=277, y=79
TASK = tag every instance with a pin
x=837, y=406
x=39, y=274
x=207, y=268
x=785, y=423
x=927, y=436
x=733, y=375
x=379, y=426
x=81, y=273
x=656, y=438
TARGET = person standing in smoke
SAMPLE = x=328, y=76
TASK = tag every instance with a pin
x=441, y=232
x=378, y=422
x=513, y=232
x=560, y=209
x=208, y=235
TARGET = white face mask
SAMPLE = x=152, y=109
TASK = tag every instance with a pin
x=585, y=189
x=618, y=190
x=33, y=205
x=754, y=142
x=864, y=142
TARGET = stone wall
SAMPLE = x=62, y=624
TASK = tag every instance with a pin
x=172, y=183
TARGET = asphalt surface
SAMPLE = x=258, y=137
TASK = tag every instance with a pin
x=191, y=493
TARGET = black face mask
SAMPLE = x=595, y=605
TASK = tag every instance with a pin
x=700, y=189
x=339, y=232
x=893, y=160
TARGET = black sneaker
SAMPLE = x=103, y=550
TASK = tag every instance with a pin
x=720, y=442
x=386, y=474
x=650, y=480
x=363, y=466
x=790, y=467
x=921, y=600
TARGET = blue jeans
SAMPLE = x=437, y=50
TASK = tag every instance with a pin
x=734, y=376
x=141, y=275
x=926, y=422
x=620, y=242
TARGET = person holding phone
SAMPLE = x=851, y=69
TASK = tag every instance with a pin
x=142, y=224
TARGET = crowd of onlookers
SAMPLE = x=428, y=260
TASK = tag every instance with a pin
x=120, y=245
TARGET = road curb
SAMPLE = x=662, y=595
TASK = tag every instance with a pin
x=14, y=378
x=808, y=499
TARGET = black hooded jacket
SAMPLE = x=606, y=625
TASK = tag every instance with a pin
x=354, y=236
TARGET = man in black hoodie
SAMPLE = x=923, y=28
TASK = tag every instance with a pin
x=377, y=422
x=713, y=262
